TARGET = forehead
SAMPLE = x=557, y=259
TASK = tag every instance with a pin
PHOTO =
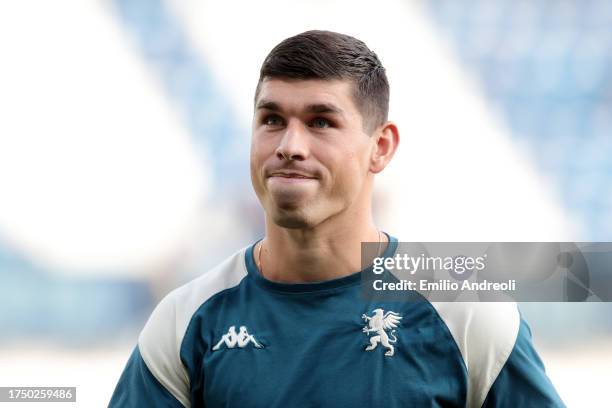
x=297, y=94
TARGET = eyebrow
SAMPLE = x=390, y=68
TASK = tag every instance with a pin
x=312, y=108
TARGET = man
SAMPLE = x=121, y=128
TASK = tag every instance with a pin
x=307, y=338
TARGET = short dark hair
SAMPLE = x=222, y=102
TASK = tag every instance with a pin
x=327, y=55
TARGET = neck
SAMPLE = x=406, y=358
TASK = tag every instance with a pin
x=328, y=251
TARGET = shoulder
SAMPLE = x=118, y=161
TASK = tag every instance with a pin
x=485, y=333
x=161, y=338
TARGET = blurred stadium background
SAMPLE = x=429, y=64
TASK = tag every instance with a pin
x=124, y=145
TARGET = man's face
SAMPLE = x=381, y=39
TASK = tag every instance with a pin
x=310, y=155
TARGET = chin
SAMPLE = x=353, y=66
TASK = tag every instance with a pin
x=291, y=219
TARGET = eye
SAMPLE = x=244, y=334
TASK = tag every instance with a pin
x=320, y=123
x=272, y=120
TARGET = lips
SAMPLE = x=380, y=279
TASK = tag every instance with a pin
x=291, y=175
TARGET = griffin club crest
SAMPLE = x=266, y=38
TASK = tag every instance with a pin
x=379, y=323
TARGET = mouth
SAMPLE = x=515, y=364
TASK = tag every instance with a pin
x=291, y=175
x=290, y=178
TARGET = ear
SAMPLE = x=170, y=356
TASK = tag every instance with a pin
x=386, y=140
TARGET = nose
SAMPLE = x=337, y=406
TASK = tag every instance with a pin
x=293, y=144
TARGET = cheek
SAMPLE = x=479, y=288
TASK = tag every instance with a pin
x=259, y=150
x=263, y=146
x=257, y=160
x=357, y=161
x=348, y=172
x=255, y=146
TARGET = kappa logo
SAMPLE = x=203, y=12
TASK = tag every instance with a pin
x=378, y=323
x=241, y=339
